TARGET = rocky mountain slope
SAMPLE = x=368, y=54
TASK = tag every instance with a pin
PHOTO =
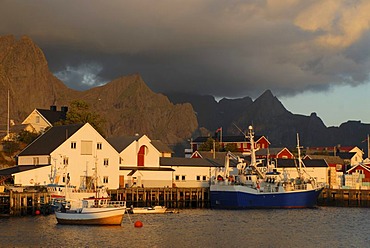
x=270, y=118
x=127, y=104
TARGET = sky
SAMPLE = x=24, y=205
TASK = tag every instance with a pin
x=312, y=54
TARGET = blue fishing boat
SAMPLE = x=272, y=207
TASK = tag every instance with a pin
x=255, y=187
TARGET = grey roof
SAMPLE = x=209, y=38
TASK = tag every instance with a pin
x=327, y=158
x=194, y=162
x=144, y=168
x=52, y=115
x=16, y=169
x=344, y=155
x=160, y=146
x=226, y=138
x=121, y=142
x=288, y=163
x=50, y=140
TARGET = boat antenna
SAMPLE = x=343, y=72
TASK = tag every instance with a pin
x=245, y=135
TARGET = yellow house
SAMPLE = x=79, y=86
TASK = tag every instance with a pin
x=41, y=119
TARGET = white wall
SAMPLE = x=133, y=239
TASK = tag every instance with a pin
x=38, y=176
x=151, y=158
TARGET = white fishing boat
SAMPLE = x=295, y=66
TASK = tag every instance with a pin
x=148, y=210
x=94, y=211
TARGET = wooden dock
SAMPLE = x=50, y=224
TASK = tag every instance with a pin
x=344, y=198
x=175, y=198
x=24, y=203
x=32, y=202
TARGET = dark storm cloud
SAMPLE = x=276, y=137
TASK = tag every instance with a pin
x=223, y=48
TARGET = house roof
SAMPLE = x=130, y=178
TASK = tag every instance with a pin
x=327, y=158
x=16, y=169
x=160, y=146
x=290, y=163
x=364, y=166
x=50, y=140
x=52, y=116
x=194, y=162
x=344, y=155
x=143, y=168
x=121, y=142
x=238, y=138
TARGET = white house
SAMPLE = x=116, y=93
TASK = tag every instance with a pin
x=71, y=152
x=315, y=168
x=139, y=160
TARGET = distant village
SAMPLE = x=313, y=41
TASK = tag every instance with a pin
x=75, y=154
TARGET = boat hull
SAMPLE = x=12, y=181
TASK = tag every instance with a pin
x=238, y=197
x=112, y=216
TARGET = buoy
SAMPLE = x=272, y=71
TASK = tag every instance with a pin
x=37, y=212
x=138, y=223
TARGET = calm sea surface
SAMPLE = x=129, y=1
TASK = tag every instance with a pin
x=320, y=227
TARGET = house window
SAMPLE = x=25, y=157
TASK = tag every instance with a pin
x=73, y=145
x=183, y=178
x=37, y=119
x=105, y=179
x=35, y=161
x=106, y=161
x=86, y=147
x=177, y=178
x=99, y=146
x=204, y=178
x=65, y=160
x=198, y=178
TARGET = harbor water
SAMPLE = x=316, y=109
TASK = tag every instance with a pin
x=318, y=227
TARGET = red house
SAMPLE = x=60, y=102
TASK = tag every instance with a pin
x=274, y=153
x=242, y=143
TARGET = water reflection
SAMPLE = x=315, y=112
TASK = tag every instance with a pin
x=321, y=227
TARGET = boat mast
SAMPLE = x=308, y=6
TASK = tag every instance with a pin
x=299, y=157
x=253, y=152
x=96, y=178
x=8, y=116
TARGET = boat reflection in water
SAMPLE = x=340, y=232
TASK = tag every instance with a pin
x=253, y=188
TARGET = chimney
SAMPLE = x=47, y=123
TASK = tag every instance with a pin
x=64, y=109
x=53, y=108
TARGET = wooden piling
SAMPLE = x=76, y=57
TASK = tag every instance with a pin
x=169, y=197
x=344, y=198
